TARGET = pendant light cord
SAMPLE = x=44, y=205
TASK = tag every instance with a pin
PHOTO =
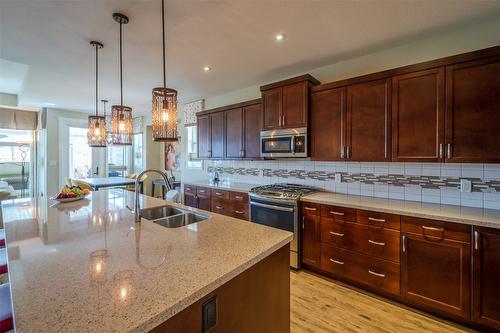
x=163, y=38
x=96, y=80
x=121, y=68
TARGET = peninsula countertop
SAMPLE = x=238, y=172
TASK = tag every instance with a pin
x=86, y=266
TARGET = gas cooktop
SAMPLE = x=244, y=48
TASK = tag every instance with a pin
x=282, y=191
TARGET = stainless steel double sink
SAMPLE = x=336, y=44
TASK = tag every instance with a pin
x=171, y=217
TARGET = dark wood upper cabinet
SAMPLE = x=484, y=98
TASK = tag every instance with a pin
x=272, y=104
x=234, y=133
x=435, y=274
x=217, y=134
x=368, y=121
x=418, y=116
x=486, y=270
x=328, y=125
x=204, y=136
x=252, y=123
x=472, y=111
x=285, y=104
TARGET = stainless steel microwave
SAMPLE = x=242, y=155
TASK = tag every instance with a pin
x=284, y=143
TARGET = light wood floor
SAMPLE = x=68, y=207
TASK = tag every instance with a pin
x=319, y=305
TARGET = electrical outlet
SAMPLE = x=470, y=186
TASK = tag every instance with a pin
x=338, y=178
x=465, y=185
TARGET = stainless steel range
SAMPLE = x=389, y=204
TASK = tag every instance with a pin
x=277, y=206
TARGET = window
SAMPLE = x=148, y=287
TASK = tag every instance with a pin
x=192, y=161
x=80, y=154
x=118, y=160
x=138, y=152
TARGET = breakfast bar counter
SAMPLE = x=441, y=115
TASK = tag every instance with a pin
x=86, y=266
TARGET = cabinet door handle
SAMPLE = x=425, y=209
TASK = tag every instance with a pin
x=448, y=151
x=336, y=261
x=376, y=274
x=219, y=207
x=336, y=234
x=309, y=208
x=218, y=193
x=237, y=197
x=376, y=243
x=403, y=242
x=342, y=150
x=375, y=219
x=238, y=212
x=441, y=150
x=432, y=228
x=337, y=213
x=476, y=240
x=201, y=191
x=283, y=120
x=348, y=152
x=303, y=226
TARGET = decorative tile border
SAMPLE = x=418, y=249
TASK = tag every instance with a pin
x=427, y=182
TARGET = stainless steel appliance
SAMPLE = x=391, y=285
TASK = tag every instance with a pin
x=284, y=143
x=277, y=206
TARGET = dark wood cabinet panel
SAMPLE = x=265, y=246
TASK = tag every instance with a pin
x=272, y=103
x=234, y=133
x=368, y=121
x=436, y=274
x=190, y=199
x=328, y=125
x=252, y=121
x=311, y=237
x=204, y=136
x=295, y=105
x=472, y=112
x=378, y=219
x=217, y=134
x=486, y=271
x=418, y=116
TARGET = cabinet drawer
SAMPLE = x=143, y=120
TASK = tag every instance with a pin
x=238, y=197
x=203, y=191
x=379, y=274
x=338, y=213
x=436, y=230
x=219, y=208
x=239, y=211
x=221, y=194
x=336, y=233
x=190, y=189
x=310, y=208
x=376, y=219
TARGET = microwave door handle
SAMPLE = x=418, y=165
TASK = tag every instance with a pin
x=293, y=144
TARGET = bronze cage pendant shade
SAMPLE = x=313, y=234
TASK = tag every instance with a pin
x=164, y=114
x=96, y=134
x=164, y=106
x=121, y=115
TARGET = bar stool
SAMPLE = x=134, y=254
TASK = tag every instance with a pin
x=3, y=262
x=2, y=238
x=6, y=318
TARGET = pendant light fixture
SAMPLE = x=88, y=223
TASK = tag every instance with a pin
x=164, y=108
x=121, y=115
x=96, y=134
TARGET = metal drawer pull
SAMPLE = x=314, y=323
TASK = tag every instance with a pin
x=337, y=213
x=336, y=234
x=336, y=261
x=432, y=228
x=376, y=220
x=376, y=274
x=476, y=240
x=238, y=197
x=218, y=193
x=238, y=212
x=219, y=207
x=201, y=191
x=309, y=208
x=376, y=243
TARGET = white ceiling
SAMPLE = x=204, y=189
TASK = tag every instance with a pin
x=234, y=37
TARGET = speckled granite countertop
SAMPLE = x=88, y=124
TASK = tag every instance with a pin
x=450, y=213
x=231, y=186
x=87, y=267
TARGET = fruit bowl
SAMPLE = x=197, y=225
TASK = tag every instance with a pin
x=67, y=199
x=69, y=194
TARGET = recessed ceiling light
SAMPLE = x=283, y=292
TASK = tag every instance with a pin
x=279, y=37
x=207, y=68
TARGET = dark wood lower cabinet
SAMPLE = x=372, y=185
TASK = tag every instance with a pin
x=435, y=273
x=190, y=199
x=311, y=236
x=486, y=274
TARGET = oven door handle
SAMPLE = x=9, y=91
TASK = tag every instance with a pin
x=283, y=209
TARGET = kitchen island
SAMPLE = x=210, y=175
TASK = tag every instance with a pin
x=87, y=266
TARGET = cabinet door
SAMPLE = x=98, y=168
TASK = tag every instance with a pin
x=272, y=102
x=204, y=139
x=472, y=111
x=295, y=105
x=252, y=123
x=217, y=134
x=204, y=202
x=234, y=133
x=368, y=121
x=436, y=274
x=418, y=116
x=190, y=200
x=311, y=238
x=328, y=125
x=486, y=271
